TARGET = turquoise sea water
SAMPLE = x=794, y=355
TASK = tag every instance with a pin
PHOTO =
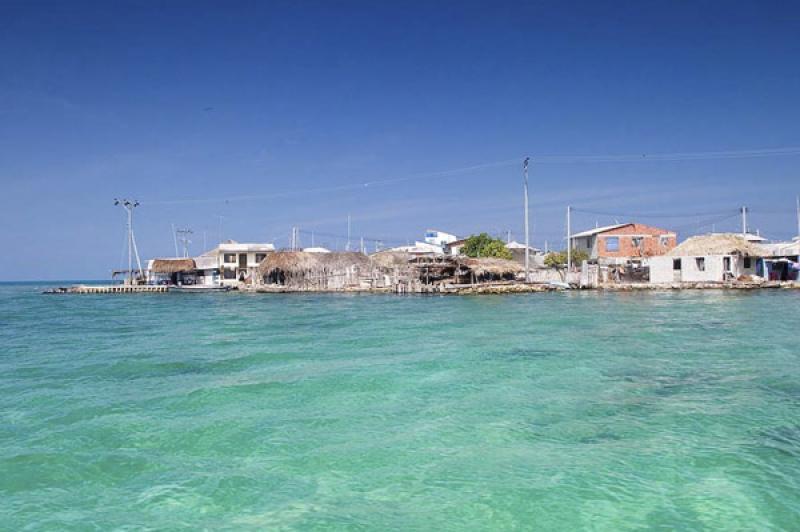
x=563, y=411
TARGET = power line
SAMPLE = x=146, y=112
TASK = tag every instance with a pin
x=677, y=156
x=553, y=159
x=344, y=237
x=338, y=188
x=656, y=215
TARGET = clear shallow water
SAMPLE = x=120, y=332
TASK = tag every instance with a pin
x=550, y=411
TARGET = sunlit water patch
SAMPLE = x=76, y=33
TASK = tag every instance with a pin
x=549, y=411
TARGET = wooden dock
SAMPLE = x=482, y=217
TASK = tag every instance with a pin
x=109, y=289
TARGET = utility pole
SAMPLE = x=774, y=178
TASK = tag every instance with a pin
x=744, y=220
x=797, y=199
x=221, y=217
x=527, y=231
x=569, y=238
x=347, y=246
x=184, y=238
x=175, y=239
x=362, y=246
x=129, y=205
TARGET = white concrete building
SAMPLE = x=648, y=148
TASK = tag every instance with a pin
x=439, y=238
x=707, y=258
x=420, y=249
x=699, y=269
x=238, y=261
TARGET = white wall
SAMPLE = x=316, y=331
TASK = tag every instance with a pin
x=580, y=243
x=662, y=272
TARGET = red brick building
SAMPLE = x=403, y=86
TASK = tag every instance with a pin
x=624, y=241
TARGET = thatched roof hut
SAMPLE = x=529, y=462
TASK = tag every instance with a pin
x=300, y=261
x=716, y=244
x=172, y=265
x=390, y=259
x=301, y=269
x=492, y=267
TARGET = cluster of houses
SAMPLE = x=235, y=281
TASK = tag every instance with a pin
x=620, y=253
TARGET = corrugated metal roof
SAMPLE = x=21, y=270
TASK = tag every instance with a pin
x=598, y=230
x=243, y=247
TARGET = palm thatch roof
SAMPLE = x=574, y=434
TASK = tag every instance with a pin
x=716, y=244
x=484, y=266
x=173, y=265
x=390, y=259
x=301, y=261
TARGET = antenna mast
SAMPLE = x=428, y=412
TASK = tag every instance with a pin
x=347, y=247
x=133, y=251
x=797, y=199
x=175, y=239
x=184, y=238
x=569, y=238
x=527, y=231
x=744, y=220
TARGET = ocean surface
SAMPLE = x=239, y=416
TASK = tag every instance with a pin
x=563, y=411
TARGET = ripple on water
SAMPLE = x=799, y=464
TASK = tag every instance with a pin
x=564, y=411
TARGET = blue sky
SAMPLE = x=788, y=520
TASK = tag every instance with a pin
x=269, y=112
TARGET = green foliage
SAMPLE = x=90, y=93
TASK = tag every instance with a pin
x=558, y=259
x=483, y=245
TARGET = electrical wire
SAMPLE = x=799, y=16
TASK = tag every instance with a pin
x=679, y=156
x=654, y=215
x=443, y=174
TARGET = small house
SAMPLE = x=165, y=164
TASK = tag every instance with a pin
x=439, y=238
x=301, y=271
x=622, y=242
x=535, y=255
x=706, y=259
x=780, y=262
x=238, y=261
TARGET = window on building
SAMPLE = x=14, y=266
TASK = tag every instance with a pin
x=676, y=264
x=260, y=256
x=228, y=274
x=663, y=240
x=612, y=243
x=701, y=264
x=748, y=262
x=588, y=242
x=637, y=241
x=229, y=257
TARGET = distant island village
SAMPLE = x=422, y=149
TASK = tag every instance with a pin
x=623, y=256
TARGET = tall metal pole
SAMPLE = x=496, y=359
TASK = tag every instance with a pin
x=797, y=199
x=175, y=239
x=185, y=240
x=744, y=220
x=527, y=231
x=347, y=247
x=130, y=243
x=129, y=205
x=569, y=238
x=221, y=218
